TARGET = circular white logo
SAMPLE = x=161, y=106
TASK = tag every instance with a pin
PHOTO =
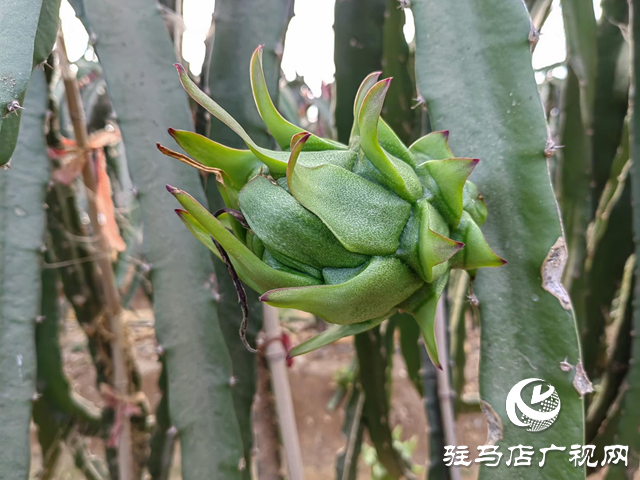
x=541, y=412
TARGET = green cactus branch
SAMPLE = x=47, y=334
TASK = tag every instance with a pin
x=59, y=410
x=618, y=359
x=18, y=27
x=22, y=223
x=612, y=85
x=53, y=384
x=353, y=431
x=373, y=378
x=628, y=433
x=237, y=31
x=397, y=62
x=358, y=31
x=120, y=379
x=528, y=326
x=580, y=27
x=199, y=370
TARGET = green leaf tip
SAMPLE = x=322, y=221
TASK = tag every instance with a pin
x=297, y=144
x=397, y=175
x=212, y=157
x=477, y=253
x=450, y=176
x=276, y=161
x=376, y=290
x=281, y=129
x=332, y=335
x=433, y=146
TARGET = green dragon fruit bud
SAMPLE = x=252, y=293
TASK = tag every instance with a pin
x=349, y=233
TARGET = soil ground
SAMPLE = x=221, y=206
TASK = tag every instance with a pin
x=312, y=379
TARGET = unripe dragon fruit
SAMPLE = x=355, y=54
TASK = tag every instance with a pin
x=351, y=233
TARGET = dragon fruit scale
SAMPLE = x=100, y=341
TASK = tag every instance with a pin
x=350, y=233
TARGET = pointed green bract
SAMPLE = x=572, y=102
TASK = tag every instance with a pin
x=366, y=85
x=250, y=268
x=276, y=161
x=425, y=315
x=392, y=143
x=397, y=175
x=435, y=248
x=434, y=146
x=473, y=203
x=384, y=283
x=240, y=165
x=334, y=334
x=450, y=175
x=286, y=227
x=365, y=217
x=280, y=128
x=477, y=252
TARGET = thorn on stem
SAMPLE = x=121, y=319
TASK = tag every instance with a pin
x=550, y=148
x=565, y=366
x=534, y=36
x=419, y=102
x=13, y=106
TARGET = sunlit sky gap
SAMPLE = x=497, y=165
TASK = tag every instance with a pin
x=309, y=45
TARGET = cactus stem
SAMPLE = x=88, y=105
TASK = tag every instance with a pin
x=242, y=295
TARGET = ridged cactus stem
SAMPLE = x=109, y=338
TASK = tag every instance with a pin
x=373, y=378
x=53, y=384
x=237, y=31
x=458, y=306
x=436, y=469
x=353, y=431
x=628, y=432
x=59, y=409
x=18, y=27
x=528, y=326
x=113, y=307
x=22, y=226
x=359, y=44
x=199, y=370
x=163, y=438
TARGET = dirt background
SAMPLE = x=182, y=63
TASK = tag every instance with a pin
x=312, y=379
